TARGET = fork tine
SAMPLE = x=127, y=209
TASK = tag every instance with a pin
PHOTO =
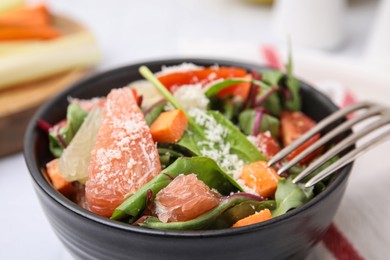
x=322, y=124
x=348, y=158
x=329, y=136
x=350, y=140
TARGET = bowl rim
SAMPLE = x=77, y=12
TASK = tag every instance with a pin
x=45, y=186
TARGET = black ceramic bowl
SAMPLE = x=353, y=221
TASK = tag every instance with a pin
x=89, y=236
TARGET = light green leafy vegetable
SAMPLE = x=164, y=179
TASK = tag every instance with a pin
x=294, y=101
x=246, y=120
x=75, y=117
x=290, y=196
x=152, y=115
x=272, y=103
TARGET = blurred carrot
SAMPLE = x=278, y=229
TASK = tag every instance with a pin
x=59, y=183
x=169, y=126
x=24, y=33
x=26, y=16
x=258, y=217
x=27, y=23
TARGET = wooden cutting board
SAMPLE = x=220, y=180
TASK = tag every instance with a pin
x=18, y=103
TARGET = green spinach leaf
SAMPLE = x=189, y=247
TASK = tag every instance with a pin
x=205, y=169
x=294, y=102
x=272, y=77
x=290, y=196
x=240, y=211
x=231, y=143
x=211, y=219
x=246, y=121
x=75, y=116
x=152, y=115
x=272, y=103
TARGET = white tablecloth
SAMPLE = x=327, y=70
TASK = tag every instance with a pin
x=130, y=31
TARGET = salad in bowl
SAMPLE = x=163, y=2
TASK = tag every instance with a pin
x=184, y=149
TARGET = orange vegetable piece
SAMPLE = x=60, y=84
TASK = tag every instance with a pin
x=260, y=177
x=24, y=33
x=124, y=157
x=26, y=16
x=258, y=217
x=27, y=23
x=169, y=126
x=59, y=183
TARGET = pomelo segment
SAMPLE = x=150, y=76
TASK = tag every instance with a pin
x=74, y=161
x=146, y=89
x=185, y=198
x=124, y=157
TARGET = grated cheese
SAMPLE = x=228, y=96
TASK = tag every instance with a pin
x=184, y=67
x=216, y=135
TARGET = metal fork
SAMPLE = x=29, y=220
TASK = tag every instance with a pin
x=371, y=110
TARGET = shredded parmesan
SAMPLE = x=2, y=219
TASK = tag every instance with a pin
x=189, y=97
x=216, y=135
x=184, y=67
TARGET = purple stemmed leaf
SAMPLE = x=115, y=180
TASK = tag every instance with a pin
x=257, y=123
x=265, y=96
x=43, y=125
x=245, y=195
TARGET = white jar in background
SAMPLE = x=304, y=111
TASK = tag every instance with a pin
x=378, y=48
x=315, y=24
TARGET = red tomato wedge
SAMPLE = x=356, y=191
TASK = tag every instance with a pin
x=207, y=75
x=295, y=124
x=267, y=145
x=124, y=157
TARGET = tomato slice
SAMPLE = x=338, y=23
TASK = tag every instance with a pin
x=295, y=124
x=267, y=144
x=207, y=75
x=240, y=89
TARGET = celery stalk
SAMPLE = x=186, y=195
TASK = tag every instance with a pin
x=36, y=60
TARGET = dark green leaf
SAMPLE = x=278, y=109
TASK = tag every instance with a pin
x=75, y=117
x=270, y=123
x=168, y=156
x=272, y=77
x=196, y=140
x=272, y=105
x=209, y=219
x=231, y=109
x=246, y=121
x=294, y=102
x=152, y=115
x=205, y=169
x=240, y=211
x=290, y=196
